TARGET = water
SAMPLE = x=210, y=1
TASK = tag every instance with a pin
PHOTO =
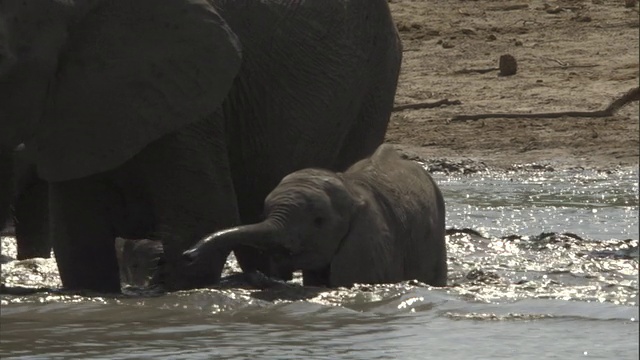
x=515, y=292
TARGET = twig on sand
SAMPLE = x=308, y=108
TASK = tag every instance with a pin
x=566, y=65
x=558, y=9
x=508, y=7
x=629, y=96
x=479, y=71
x=427, y=105
x=573, y=66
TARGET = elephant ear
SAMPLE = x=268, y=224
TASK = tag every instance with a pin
x=131, y=72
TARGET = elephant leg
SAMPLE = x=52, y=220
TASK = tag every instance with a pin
x=188, y=180
x=316, y=277
x=82, y=234
x=31, y=218
x=6, y=185
x=251, y=260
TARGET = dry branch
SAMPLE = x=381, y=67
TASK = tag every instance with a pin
x=479, y=71
x=508, y=7
x=629, y=96
x=427, y=105
x=572, y=66
x=566, y=65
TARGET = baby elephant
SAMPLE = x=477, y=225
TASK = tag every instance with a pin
x=381, y=221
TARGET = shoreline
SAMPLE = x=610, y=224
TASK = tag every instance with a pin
x=448, y=161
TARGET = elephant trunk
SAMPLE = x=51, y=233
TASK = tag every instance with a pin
x=263, y=235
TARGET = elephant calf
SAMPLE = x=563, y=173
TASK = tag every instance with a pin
x=381, y=221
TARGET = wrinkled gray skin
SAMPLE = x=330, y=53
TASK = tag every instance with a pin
x=171, y=120
x=381, y=221
x=24, y=203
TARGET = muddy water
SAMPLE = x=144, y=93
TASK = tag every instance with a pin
x=552, y=272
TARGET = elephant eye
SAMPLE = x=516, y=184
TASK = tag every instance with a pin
x=318, y=221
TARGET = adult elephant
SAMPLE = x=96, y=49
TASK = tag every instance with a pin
x=172, y=119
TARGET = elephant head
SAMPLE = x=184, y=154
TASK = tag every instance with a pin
x=92, y=82
x=308, y=217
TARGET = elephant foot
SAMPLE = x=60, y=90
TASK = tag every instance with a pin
x=178, y=275
x=147, y=291
x=141, y=262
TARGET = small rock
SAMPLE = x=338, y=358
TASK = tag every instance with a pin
x=508, y=65
x=518, y=43
x=468, y=31
x=491, y=37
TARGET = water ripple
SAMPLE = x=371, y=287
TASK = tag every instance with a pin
x=524, y=249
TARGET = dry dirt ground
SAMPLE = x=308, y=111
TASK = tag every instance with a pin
x=572, y=55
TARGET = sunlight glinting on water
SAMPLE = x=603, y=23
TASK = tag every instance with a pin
x=597, y=205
